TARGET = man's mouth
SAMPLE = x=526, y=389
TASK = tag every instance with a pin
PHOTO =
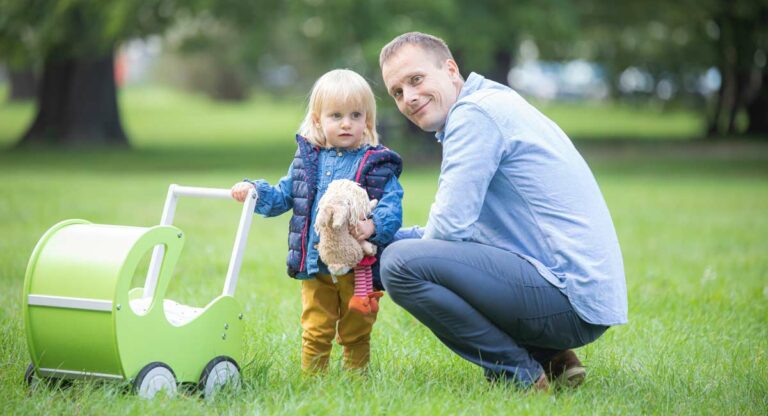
x=418, y=110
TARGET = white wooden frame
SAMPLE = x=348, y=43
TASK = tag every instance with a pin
x=176, y=191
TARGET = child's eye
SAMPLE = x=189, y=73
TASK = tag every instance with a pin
x=336, y=116
x=356, y=115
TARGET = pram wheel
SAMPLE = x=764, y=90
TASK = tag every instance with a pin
x=221, y=372
x=30, y=377
x=152, y=379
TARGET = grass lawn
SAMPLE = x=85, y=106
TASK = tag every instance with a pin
x=691, y=223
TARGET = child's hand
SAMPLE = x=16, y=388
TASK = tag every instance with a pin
x=240, y=191
x=363, y=230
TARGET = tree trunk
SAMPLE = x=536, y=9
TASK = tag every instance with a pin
x=77, y=104
x=757, y=109
x=502, y=61
x=713, y=127
x=23, y=84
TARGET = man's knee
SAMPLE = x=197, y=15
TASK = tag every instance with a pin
x=394, y=263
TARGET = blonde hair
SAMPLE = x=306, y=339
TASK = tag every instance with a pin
x=428, y=43
x=335, y=87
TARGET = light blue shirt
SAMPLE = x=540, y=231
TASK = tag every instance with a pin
x=510, y=178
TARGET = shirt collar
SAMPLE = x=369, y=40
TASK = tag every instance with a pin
x=362, y=147
x=472, y=84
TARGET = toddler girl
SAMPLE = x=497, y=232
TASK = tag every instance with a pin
x=337, y=140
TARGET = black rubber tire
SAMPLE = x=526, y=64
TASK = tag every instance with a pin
x=29, y=375
x=144, y=371
x=209, y=367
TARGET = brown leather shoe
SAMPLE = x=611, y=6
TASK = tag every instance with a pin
x=566, y=369
x=541, y=384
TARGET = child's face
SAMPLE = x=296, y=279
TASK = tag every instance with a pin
x=343, y=126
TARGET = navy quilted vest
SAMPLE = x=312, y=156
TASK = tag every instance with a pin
x=376, y=167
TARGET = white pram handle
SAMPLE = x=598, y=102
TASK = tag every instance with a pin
x=175, y=191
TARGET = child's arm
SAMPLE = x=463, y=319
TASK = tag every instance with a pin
x=271, y=200
x=388, y=214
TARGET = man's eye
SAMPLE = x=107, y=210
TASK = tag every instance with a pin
x=397, y=93
x=416, y=79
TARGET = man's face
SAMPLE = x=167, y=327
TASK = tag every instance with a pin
x=424, y=91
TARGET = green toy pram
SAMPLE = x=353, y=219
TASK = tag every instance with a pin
x=83, y=319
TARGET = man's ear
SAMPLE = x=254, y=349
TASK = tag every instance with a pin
x=453, y=69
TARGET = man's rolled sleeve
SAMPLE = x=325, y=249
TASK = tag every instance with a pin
x=472, y=150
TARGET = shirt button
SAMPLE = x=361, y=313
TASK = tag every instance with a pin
x=315, y=246
x=328, y=173
x=338, y=154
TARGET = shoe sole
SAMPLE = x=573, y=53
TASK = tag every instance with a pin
x=573, y=377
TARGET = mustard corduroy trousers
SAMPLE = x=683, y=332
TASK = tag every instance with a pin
x=325, y=315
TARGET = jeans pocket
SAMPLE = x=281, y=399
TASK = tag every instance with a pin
x=555, y=332
x=531, y=331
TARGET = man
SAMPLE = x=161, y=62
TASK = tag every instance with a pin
x=519, y=261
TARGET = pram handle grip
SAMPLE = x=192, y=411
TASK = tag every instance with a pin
x=197, y=192
x=176, y=191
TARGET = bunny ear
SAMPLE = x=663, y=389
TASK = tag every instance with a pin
x=338, y=219
x=324, y=216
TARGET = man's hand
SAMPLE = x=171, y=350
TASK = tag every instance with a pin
x=240, y=191
x=364, y=230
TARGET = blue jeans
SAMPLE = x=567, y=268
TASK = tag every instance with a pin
x=489, y=306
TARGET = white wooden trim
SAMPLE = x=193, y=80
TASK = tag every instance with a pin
x=53, y=372
x=169, y=210
x=197, y=192
x=70, y=303
x=240, y=239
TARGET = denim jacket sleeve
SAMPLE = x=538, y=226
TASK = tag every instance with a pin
x=274, y=200
x=388, y=214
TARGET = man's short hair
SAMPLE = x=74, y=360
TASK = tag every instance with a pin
x=432, y=44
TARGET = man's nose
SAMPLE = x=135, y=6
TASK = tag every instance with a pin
x=409, y=95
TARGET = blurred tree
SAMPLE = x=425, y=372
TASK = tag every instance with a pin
x=73, y=42
x=742, y=48
x=680, y=41
x=23, y=84
x=17, y=54
x=485, y=34
x=316, y=35
x=218, y=50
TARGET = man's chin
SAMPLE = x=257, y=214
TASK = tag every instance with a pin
x=425, y=126
x=429, y=128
